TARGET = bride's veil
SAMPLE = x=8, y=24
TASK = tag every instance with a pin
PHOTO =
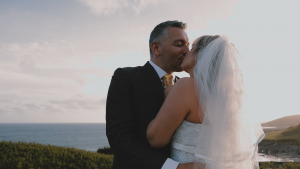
x=227, y=138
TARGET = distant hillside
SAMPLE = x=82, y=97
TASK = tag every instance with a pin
x=283, y=122
x=289, y=135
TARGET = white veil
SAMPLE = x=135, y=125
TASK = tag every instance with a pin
x=227, y=138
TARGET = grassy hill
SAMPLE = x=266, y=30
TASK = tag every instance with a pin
x=283, y=122
x=38, y=156
x=279, y=165
x=289, y=135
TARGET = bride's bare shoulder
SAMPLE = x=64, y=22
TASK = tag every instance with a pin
x=185, y=81
x=184, y=85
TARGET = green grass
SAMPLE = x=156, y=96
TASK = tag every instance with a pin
x=276, y=165
x=23, y=155
x=38, y=156
x=290, y=135
x=105, y=150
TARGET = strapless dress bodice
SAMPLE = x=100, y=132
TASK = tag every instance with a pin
x=184, y=142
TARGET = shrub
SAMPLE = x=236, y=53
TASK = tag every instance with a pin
x=105, y=150
x=279, y=165
x=35, y=156
x=294, y=130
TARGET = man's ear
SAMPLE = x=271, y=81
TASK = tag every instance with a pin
x=155, y=48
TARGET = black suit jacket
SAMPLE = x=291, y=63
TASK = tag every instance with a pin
x=134, y=98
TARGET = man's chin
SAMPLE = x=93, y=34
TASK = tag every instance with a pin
x=178, y=69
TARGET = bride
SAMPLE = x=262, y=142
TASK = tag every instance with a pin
x=203, y=115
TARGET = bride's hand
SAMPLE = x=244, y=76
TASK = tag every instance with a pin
x=191, y=165
x=167, y=88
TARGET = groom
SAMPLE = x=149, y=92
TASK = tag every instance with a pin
x=135, y=96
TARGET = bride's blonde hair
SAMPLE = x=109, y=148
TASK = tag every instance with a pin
x=201, y=42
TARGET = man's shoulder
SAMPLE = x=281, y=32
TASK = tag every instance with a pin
x=127, y=70
x=130, y=69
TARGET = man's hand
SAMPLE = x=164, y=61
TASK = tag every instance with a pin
x=191, y=165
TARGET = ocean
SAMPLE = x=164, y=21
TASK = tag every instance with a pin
x=85, y=136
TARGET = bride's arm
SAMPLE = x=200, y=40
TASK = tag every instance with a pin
x=174, y=110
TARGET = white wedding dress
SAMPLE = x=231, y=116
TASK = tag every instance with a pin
x=228, y=137
x=184, y=142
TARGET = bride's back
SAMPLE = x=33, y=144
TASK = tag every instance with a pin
x=194, y=109
x=184, y=142
x=186, y=135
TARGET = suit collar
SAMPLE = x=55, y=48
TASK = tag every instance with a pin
x=158, y=70
x=152, y=77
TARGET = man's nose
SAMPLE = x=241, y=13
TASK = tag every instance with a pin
x=186, y=48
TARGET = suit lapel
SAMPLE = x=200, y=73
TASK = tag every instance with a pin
x=152, y=77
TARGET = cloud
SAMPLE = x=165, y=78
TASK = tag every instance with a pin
x=32, y=107
x=80, y=103
x=36, y=50
x=97, y=86
x=57, y=60
x=66, y=106
x=106, y=7
x=141, y=4
x=129, y=58
x=2, y=111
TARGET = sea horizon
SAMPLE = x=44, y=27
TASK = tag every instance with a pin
x=84, y=136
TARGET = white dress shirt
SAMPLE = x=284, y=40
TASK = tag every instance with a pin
x=160, y=72
x=169, y=163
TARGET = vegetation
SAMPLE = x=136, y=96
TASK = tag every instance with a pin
x=294, y=130
x=289, y=136
x=105, y=150
x=37, y=156
x=279, y=165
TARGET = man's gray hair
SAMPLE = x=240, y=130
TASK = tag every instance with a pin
x=159, y=33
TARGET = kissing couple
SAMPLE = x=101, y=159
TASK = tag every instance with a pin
x=197, y=122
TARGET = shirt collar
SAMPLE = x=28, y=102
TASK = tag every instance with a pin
x=160, y=72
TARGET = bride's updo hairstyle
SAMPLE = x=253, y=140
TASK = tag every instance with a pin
x=201, y=42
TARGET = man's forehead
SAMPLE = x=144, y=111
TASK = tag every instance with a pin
x=177, y=34
x=181, y=39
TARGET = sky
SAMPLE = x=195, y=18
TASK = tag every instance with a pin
x=57, y=57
